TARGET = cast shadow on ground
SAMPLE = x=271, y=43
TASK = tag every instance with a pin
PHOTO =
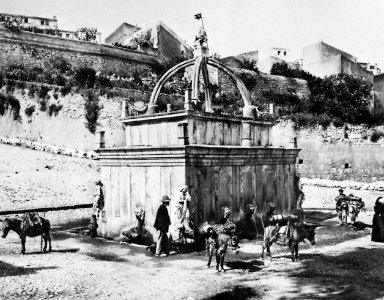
x=350, y=275
x=107, y=257
x=7, y=270
x=70, y=250
x=237, y=292
x=250, y=266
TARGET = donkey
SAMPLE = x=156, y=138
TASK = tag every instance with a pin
x=298, y=233
x=218, y=238
x=23, y=228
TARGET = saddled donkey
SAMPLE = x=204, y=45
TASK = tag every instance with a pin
x=24, y=228
x=297, y=233
x=218, y=238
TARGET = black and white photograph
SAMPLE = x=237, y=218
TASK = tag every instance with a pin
x=191, y=149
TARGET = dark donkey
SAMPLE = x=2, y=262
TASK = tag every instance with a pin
x=218, y=239
x=24, y=227
x=300, y=232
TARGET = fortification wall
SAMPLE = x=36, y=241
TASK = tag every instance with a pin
x=344, y=153
x=67, y=129
x=33, y=49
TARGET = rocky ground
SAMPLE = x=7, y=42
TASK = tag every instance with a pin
x=344, y=264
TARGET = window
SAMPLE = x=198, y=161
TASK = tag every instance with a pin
x=46, y=22
x=278, y=52
x=67, y=35
x=25, y=20
x=42, y=22
x=285, y=53
x=8, y=18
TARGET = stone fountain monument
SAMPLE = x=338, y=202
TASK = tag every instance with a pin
x=227, y=161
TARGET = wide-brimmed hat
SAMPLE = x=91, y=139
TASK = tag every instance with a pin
x=165, y=198
x=184, y=188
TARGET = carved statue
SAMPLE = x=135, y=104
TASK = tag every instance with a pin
x=201, y=37
x=138, y=234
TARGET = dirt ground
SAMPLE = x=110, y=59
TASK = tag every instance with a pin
x=344, y=264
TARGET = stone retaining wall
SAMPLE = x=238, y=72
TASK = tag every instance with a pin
x=34, y=50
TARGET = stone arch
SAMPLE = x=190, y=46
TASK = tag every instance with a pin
x=200, y=65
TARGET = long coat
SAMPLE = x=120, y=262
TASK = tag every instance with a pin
x=162, y=221
x=378, y=223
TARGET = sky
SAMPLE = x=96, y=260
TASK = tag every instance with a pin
x=233, y=26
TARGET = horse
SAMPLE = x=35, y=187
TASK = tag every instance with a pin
x=24, y=229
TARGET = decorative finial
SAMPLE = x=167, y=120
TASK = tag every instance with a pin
x=201, y=37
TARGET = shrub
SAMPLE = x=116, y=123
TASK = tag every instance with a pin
x=15, y=106
x=65, y=90
x=56, y=96
x=32, y=90
x=376, y=135
x=103, y=82
x=43, y=104
x=29, y=110
x=248, y=77
x=337, y=122
x=85, y=77
x=10, y=87
x=9, y=101
x=61, y=64
x=20, y=85
x=54, y=109
x=324, y=120
x=92, y=110
x=249, y=64
x=59, y=80
x=3, y=104
x=1, y=80
x=43, y=92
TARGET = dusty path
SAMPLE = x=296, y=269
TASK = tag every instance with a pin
x=344, y=265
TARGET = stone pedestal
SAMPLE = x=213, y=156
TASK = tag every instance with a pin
x=205, y=152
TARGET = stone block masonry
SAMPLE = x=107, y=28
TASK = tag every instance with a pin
x=34, y=50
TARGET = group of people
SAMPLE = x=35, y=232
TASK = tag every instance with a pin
x=348, y=207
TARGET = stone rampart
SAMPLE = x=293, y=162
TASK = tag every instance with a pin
x=34, y=50
x=343, y=153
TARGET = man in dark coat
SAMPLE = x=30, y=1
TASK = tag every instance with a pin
x=342, y=207
x=378, y=221
x=162, y=223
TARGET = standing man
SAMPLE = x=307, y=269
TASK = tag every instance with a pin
x=98, y=198
x=98, y=205
x=162, y=223
x=342, y=207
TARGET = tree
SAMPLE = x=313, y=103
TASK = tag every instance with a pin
x=86, y=34
x=343, y=96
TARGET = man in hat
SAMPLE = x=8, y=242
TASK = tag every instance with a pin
x=183, y=214
x=342, y=207
x=162, y=223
